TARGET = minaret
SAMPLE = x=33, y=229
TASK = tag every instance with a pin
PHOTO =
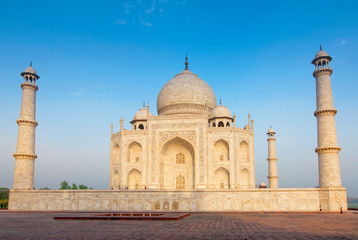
x=272, y=160
x=25, y=150
x=327, y=149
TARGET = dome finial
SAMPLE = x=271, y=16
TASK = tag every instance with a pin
x=30, y=63
x=186, y=62
x=220, y=101
x=143, y=104
x=320, y=47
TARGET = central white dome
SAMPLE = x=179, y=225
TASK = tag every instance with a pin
x=185, y=93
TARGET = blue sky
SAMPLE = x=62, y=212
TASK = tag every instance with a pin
x=100, y=60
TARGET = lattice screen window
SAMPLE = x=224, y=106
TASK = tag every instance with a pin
x=180, y=159
x=180, y=182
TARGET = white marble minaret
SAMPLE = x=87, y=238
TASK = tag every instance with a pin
x=327, y=149
x=25, y=151
x=272, y=159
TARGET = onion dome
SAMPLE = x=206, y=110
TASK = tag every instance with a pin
x=185, y=93
x=142, y=115
x=221, y=112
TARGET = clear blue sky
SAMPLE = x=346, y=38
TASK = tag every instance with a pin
x=99, y=60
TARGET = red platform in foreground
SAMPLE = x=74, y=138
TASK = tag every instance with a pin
x=145, y=216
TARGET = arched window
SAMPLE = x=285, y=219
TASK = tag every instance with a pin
x=115, y=154
x=180, y=159
x=156, y=205
x=180, y=182
x=175, y=205
x=221, y=124
x=165, y=205
x=228, y=124
x=214, y=125
x=134, y=152
x=244, y=152
x=141, y=127
x=222, y=178
x=134, y=179
x=221, y=150
x=324, y=64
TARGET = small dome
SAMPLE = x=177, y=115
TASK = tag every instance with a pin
x=321, y=54
x=271, y=130
x=142, y=114
x=30, y=70
x=185, y=93
x=262, y=185
x=221, y=111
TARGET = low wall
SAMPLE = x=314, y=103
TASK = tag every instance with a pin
x=283, y=199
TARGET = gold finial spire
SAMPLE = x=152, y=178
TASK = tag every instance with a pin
x=186, y=62
x=220, y=101
x=143, y=104
x=30, y=63
x=320, y=47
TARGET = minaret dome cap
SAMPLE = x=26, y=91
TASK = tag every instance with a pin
x=271, y=131
x=30, y=70
x=321, y=54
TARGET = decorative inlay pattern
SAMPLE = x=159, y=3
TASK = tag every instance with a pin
x=27, y=122
x=183, y=108
x=322, y=70
x=21, y=155
x=325, y=112
x=31, y=85
x=189, y=135
x=327, y=149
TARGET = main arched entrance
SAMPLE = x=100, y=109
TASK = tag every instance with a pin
x=177, y=165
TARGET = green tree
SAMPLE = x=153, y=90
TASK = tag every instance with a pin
x=64, y=185
x=82, y=187
x=74, y=186
x=4, y=193
x=45, y=188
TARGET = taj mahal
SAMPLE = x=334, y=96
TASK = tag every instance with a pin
x=191, y=156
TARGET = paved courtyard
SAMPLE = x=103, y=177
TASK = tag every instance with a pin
x=196, y=226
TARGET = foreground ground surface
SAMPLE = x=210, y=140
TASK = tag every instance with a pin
x=196, y=226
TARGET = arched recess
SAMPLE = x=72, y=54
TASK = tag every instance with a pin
x=221, y=150
x=244, y=152
x=134, y=179
x=221, y=124
x=116, y=178
x=244, y=178
x=222, y=178
x=115, y=154
x=168, y=167
x=134, y=152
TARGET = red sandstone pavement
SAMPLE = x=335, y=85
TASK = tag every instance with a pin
x=196, y=226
